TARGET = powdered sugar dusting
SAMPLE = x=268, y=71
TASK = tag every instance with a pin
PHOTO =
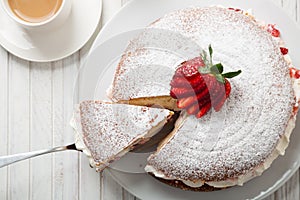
x=149, y=63
x=108, y=129
x=255, y=116
x=243, y=135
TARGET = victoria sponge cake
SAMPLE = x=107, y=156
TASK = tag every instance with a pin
x=229, y=142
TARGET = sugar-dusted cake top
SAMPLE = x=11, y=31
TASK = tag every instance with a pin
x=108, y=129
x=149, y=62
x=246, y=131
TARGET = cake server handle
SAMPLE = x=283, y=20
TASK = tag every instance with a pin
x=10, y=159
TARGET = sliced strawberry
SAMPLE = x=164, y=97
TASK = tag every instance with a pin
x=193, y=109
x=284, y=50
x=183, y=71
x=173, y=95
x=190, y=67
x=218, y=105
x=204, y=101
x=196, y=80
x=178, y=92
x=188, y=84
x=185, y=102
x=214, y=86
x=191, y=101
x=182, y=92
x=218, y=98
x=192, y=80
x=179, y=81
x=185, y=88
x=204, y=110
x=227, y=88
x=203, y=94
x=198, y=85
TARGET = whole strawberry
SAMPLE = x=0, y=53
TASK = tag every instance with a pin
x=198, y=85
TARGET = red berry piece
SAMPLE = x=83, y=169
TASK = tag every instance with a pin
x=292, y=72
x=284, y=50
x=271, y=29
x=297, y=74
x=204, y=110
x=235, y=9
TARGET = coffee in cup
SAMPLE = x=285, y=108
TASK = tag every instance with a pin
x=34, y=11
x=38, y=14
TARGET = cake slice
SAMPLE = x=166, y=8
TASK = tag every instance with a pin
x=108, y=131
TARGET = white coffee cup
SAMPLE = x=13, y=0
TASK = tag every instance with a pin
x=53, y=22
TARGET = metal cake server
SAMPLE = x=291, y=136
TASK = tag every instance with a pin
x=10, y=159
x=149, y=146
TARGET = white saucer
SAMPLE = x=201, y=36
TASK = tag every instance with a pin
x=55, y=44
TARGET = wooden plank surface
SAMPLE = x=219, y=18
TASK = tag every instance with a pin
x=19, y=130
x=65, y=165
x=3, y=119
x=41, y=129
x=36, y=105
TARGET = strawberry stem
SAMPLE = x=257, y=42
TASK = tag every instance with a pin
x=210, y=54
x=216, y=69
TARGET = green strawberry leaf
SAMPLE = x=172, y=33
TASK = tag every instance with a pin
x=220, y=78
x=204, y=70
x=232, y=74
x=214, y=70
x=204, y=55
x=204, y=58
x=219, y=67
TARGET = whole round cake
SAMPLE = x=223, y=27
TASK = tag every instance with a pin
x=242, y=139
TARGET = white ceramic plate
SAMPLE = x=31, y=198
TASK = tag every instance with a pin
x=55, y=44
x=143, y=185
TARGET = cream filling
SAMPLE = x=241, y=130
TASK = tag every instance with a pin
x=76, y=125
x=179, y=122
x=99, y=166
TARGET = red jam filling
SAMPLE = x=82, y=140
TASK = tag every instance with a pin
x=235, y=9
x=295, y=110
x=294, y=73
x=274, y=31
x=284, y=50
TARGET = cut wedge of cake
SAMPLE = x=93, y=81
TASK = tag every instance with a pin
x=107, y=131
x=239, y=142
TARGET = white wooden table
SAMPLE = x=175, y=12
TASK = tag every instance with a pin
x=36, y=104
